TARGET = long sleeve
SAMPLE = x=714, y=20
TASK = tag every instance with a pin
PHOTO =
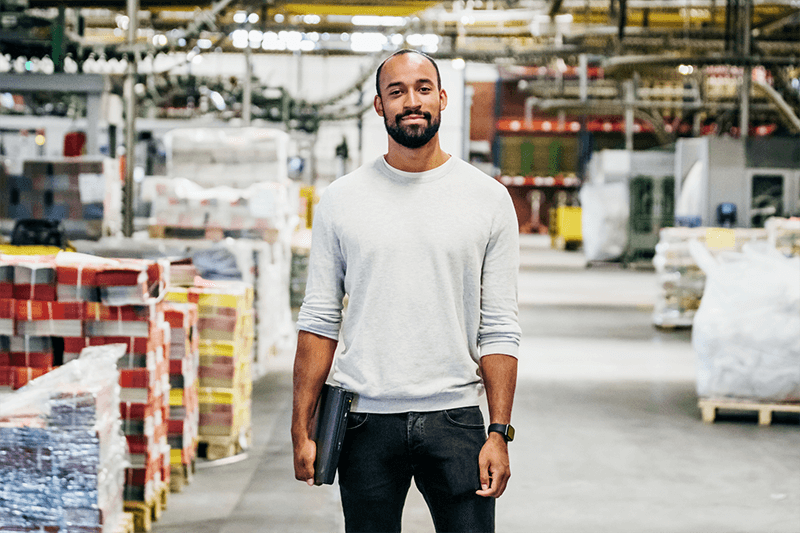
x=321, y=312
x=499, y=330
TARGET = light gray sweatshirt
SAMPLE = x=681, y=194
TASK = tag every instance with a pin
x=429, y=261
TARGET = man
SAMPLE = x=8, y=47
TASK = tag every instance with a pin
x=426, y=248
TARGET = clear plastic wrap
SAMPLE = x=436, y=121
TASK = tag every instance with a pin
x=62, y=450
x=747, y=330
x=604, y=212
x=681, y=281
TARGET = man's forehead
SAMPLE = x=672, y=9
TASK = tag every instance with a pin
x=407, y=66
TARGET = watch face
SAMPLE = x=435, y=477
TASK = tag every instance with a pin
x=510, y=433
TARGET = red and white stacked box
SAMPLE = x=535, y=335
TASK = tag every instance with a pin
x=136, y=319
x=146, y=433
x=54, y=319
x=184, y=360
x=7, y=313
x=23, y=359
x=77, y=282
x=6, y=278
x=34, y=278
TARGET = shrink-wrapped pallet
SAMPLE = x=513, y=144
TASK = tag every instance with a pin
x=62, y=453
x=747, y=329
x=681, y=281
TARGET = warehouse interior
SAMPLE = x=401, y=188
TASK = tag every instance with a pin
x=161, y=162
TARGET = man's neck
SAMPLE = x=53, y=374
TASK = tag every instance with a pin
x=419, y=159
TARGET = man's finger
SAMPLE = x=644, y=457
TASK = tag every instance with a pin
x=485, y=476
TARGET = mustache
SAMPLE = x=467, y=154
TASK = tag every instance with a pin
x=408, y=112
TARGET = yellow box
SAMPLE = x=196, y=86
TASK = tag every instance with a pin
x=568, y=223
x=721, y=238
x=175, y=457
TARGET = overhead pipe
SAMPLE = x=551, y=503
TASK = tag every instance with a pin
x=598, y=108
x=784, y=109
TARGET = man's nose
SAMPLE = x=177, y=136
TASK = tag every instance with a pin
x=412, y=100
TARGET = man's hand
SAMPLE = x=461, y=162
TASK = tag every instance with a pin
x=494, y=466
x=304, y=454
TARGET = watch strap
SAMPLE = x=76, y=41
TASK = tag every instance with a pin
x=506, y=430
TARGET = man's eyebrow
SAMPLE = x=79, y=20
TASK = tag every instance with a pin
x=419, y=81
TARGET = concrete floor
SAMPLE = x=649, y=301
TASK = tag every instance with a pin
x=609, y=437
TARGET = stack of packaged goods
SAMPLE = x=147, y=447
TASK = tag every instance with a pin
x=184, y=410
x=225, y=334
x=29, y=315
x=64, y=427
x=681, y=281
x=144, y=378
x=120, y=306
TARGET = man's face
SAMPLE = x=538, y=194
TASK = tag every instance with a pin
x=410, y=101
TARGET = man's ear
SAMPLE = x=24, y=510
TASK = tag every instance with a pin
x=377, y=103
x=442, y=99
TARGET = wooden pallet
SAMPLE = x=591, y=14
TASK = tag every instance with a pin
x=220, y=447
x=125, y=523
x=212, y=234
x=710, y=407
x=180, y=476
x=145, y=513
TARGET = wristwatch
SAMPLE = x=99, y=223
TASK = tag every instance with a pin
x=506, y=430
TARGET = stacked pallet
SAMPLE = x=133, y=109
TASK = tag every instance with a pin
x=64, y=426
x=681, y=281
x=225, y=335
x=745, y=332
x=184, y=411
x=65, y=303
x=70, y=190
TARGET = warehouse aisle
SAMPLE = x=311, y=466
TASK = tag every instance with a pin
x=609, y=438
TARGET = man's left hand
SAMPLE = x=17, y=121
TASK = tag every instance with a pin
x=495, y=470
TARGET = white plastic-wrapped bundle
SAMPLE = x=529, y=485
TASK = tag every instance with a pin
x=604, y=219
x=237, y=157
x=62, y=451
x=747, y=330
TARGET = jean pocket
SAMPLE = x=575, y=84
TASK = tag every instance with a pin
x=465, y=417
x=356, y=420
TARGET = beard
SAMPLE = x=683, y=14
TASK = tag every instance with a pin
x=413, y=136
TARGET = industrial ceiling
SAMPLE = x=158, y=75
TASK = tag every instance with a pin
x=512, y=31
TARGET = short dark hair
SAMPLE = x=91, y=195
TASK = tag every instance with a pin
x=403, y=52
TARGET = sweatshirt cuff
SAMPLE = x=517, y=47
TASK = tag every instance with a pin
x=505, y=348
x=321, y=332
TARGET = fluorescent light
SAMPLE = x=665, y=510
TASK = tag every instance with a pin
x=240, y=17
x=367, y=42
x=375, y=20
x=415, y=39
x=252, y=18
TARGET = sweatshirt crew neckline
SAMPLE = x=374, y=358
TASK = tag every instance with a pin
x=415, y=177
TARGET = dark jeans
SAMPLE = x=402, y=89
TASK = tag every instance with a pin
x=439, y=450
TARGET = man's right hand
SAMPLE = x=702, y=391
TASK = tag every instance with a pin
x=304, y=454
